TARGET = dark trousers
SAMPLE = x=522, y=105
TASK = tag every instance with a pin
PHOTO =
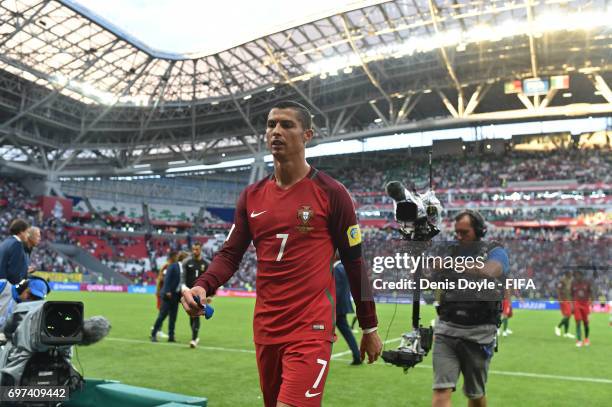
x=194, y=323
x=169, y=307
x=348, y=336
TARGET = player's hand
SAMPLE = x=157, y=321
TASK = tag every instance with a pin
x=372, y=345
x=189, y=304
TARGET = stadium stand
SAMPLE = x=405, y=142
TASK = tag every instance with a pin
x=566, y=186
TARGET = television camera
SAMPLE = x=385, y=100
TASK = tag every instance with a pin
x=419, y=217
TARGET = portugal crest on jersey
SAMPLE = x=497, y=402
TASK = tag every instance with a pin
x=304, y=215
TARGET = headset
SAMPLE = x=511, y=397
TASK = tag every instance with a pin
x=478, y=222
x=23, y=284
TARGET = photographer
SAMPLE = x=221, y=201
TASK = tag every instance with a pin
x=465, y=330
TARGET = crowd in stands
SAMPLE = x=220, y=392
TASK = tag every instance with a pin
x=585, y=166
x=138, y=256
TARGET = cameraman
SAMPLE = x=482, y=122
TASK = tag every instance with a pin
x=465, y=330
x=32, y=289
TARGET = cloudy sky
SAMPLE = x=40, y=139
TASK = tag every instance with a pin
x=208, y=26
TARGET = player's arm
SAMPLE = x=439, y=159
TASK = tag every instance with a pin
x=347, y=239
x=225, y=263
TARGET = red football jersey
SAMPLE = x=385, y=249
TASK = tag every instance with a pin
x=295, y=232
x=581, y=290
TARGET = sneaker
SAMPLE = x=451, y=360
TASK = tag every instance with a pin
x=162, y=334
x=505, y=333
x=558, y=331
x=569, y=335
x=153, y=338
x=579, y=344
x=587, y=342
x=171, y=339
x=509, y=331
x=356, y=362
x=194, y=342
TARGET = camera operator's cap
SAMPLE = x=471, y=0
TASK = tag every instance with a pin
x=38, y=288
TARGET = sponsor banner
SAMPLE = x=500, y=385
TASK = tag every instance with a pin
x=60, y=277
x=539, y=305
x=55, y=286
x=554, y=305
x=390, y=299
x=599, y=307
x=104, y=288
x=141, y=289
x=235, y=293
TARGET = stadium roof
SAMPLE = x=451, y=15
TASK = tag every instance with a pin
x=204, y=28
x=76, y=90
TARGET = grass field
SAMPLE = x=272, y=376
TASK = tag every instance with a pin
x=532, y=368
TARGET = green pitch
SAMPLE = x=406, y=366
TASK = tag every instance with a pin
x=532, y=368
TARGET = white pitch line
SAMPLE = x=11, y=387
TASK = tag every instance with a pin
x=550, y=376
x=180, y=344
x=525, y=374
x=348, y=352
x=336, y=356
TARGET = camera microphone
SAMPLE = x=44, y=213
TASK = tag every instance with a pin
x=94, y=330
x=406, y=208
x=396, y=190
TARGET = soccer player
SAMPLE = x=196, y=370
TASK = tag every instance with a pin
x=581, y=293
x=506, y=312
x=296, y=218
x=192, y=269
x=564, y=290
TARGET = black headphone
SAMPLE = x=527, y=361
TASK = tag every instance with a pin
x=478, y=222
x=23, y=284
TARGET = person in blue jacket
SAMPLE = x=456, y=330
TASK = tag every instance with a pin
x=13, y=259
x=344, y=306
x=170, y=295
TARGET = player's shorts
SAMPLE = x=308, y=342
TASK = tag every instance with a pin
x=581, y=311
x=566, y=308
x=293, y=373
x=507, y=308
x=452, y=356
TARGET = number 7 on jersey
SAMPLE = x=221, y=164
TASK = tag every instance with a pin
x=283, y=236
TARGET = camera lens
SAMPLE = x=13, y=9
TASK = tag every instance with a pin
x=62, y=320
